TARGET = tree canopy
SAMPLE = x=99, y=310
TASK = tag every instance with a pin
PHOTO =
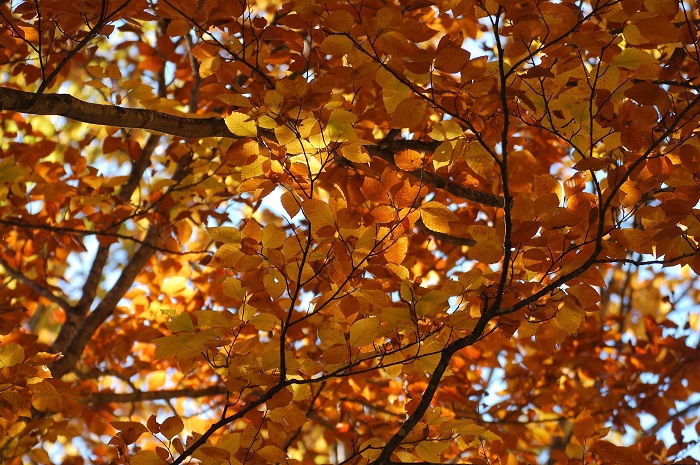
x=364, y=232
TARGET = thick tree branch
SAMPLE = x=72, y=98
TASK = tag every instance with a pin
x=86, y=330
x=433, y=384
x=110, y=115
x=144, y=396
x=42, y=291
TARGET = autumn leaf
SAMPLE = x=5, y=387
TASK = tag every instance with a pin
x=436, y=216
x=240, y=125
x=364, y=332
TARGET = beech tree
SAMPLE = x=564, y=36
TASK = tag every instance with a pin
x=367, y=232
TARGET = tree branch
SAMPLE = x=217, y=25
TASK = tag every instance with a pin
x=386, y=153
x=84, y=333
x=144, y=396
x=110, y=115
x=654, y=430
x=42, y=291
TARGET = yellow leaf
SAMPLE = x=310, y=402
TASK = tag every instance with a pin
x=586, y=295
x=318, y=213
x=396, y=252
x=290, y=204
x=272, y=454
x=340, y=125
x=11, y=354
x=239, y=124
x=430, y=450
x=574, y=451
x=371, y=448
x=236, y=100
x=409, y=113
x=336, y=45
x=225, y=234
x=230, y=442
x=478, y=159
x=45, y=397
x=488, y=248
x=570, y=318
x=633, y=58
x=355, y=153
x=171, y=427
x=147, y=457
x=486, y=252
x=233, y=288
x=467, y=428
x=436, y=216
x=209, y=66
x=408, y=160
x=393, y=90
x=179, y=321
x=275, y=283
x=289, y=416
x=273, y=237
x=364, y=331
x=138, y=428
x=253, y=169
x=264, y=322
x=214, y=319
x=331, y=333
x=285, y=135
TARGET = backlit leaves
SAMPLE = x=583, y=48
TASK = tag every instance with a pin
x=240, y=124
x=436, y=216
x=320, y=232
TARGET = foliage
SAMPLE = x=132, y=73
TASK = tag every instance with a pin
x=316, y=231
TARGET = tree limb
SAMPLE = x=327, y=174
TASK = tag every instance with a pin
x=42, y=291
x=84, y=333
x=110, y=115
x=144, y=396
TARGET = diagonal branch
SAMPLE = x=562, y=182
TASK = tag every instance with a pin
x=34, y=286
x=386, y=153
x=89, y=326
x=654, y=430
